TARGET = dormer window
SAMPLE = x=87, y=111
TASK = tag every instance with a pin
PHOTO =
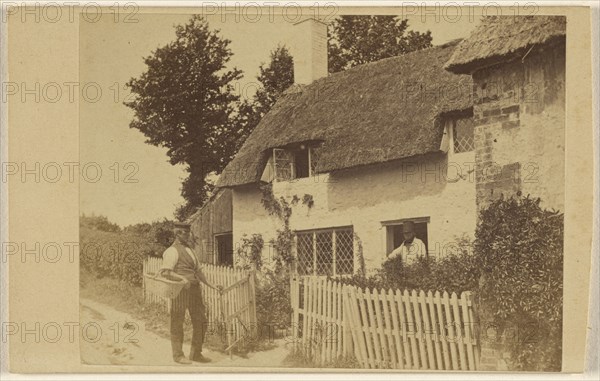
x=291, y=162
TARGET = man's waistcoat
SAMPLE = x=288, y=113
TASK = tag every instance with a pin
x=185, y=263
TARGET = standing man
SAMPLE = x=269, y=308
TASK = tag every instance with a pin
x=180, y=261
x=412, y=247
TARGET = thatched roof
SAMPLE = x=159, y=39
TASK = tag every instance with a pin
x=372, y=113
x=504, y=38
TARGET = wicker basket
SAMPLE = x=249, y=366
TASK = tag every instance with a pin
x=164, y=286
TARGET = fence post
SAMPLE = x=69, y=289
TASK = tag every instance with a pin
x=294, y=303
x=346, y=327
x=253, y=323
x=144, y=265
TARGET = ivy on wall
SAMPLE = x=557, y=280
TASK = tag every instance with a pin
x=273, y=285
x=361, y=272
x=282, y=209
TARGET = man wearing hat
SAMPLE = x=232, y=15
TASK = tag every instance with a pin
x=180, y=261
x=412, y=247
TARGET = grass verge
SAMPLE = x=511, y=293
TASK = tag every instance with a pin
x=299, y=359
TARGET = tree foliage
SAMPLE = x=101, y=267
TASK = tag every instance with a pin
x=356, y=40
x=274, y=78
x=94, y=222
x=184, y=102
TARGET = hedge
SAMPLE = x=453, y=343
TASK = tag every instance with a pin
x=116, y=255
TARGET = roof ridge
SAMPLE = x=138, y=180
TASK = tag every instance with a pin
x=519, y=31
x=445, y=45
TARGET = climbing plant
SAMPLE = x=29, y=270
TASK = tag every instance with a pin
x=359, y=256
x=284, y=240
x=273, y=291
x=249, y=252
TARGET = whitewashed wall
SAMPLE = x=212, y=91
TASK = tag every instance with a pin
x=364, y=197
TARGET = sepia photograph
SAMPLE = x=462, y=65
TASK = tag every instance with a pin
x=286, y=188
x=332, y=191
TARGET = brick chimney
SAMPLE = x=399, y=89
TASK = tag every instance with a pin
x=309, y=51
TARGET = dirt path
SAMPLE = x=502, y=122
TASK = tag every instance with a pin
x=115, y=337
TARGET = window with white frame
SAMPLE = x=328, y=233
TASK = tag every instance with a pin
x=325, y=252
x=294, y=163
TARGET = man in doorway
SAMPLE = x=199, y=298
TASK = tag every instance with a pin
x=180, y=261
x=412, y=247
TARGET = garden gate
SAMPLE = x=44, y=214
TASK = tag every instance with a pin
x=231, y=313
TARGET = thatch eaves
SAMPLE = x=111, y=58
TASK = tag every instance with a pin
x=504, y=38
x=372, y=113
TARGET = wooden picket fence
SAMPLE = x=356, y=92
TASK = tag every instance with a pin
x=384, y=329
x=233, y=311
x=318, y=321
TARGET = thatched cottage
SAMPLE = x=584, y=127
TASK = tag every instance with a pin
x=518, y=70
x=364, y=150
x=427, y=137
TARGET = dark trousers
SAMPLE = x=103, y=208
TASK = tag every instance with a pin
x=191, y=300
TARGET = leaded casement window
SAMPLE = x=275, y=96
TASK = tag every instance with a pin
x=325, y=252
x=463, y=134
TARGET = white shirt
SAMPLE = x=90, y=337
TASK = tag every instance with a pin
x=410, y=252
x=171, y=256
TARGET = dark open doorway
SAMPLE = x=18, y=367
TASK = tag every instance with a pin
x=224, y=249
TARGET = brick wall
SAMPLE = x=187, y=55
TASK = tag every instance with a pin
x=519, y=116
x=519, y=135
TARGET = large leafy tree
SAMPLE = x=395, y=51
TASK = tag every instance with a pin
x=184, y=101
x=273, y=79
x=356, y=40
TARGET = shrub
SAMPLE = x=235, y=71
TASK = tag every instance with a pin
x=273, y=308
x=158, y=232
x=455, y=272
x=519, y=248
